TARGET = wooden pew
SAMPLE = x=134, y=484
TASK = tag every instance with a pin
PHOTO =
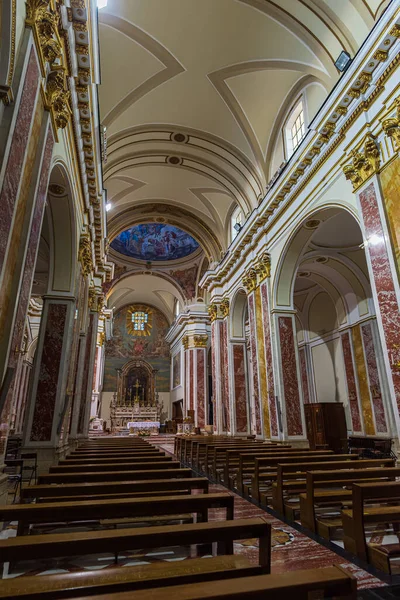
x=114, y=455
x=112, y=581
x=120, y=460
x=214, y=450
x=122, y=508
x=202, y=449
x=329, y=582
x=232, y=459
x=116, y=451
x=355, y=520
x=105, y=467
x=266, y=469
x=92, y=476
x=291, y=478
x=112, y=489
x=331, y=495
x=247, y=464
x=105, y=541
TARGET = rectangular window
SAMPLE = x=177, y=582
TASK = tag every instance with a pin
x=139, y=320
x=298, y=130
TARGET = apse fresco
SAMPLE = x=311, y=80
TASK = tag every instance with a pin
x=154, y=241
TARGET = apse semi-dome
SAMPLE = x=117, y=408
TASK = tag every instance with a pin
x=154, y=241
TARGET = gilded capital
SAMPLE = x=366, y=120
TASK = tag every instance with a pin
x=224, y=308
x=263, y=267
x=200, y=341
x=102, y=337
x=366, y=162
x=92, y=302
x=250, y=280
x=58, y=98
x=213, y=312
x=85, y=255
x=185, y=342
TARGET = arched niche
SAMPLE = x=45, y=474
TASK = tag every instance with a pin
x=238, y=313
x=63, y=238
x=137, y=382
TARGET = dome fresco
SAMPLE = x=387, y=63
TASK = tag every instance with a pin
x=154, y=241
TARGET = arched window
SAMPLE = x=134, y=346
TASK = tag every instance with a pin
x=295, y=128
x=237, y=220
x=139, y=320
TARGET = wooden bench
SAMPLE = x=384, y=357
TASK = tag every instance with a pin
x=114, y=541
x=222, y=455
x=266, y=470
x=105, y=467
x=122, y=508
x=203, y=449
x=291, y=479
x=331, y=495
x=92, y=476
x=111, y=581
x=329, y=582
x=356, y=518
x=248, y=467
x=113, y=459
x=115, y=452
x=113, y=489
x=208, y=461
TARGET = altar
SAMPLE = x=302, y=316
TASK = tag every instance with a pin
x=135, y=407
x=143, y=427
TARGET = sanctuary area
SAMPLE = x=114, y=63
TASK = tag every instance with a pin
x=199, y=299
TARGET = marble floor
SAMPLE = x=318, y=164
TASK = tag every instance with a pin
x=291, y=548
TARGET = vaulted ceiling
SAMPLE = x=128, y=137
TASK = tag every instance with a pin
x=193, y=95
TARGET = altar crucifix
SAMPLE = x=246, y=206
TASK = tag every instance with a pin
x=138, y=399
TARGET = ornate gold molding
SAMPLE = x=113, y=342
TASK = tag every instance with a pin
x=250, y=280
x=102, y=337
x=185, y=342
x=58, y=99
x=213, y=312
x=224, y=308
x=200, y=341
x=6, y=94
x=263, y=267
x=391, y=126
x=366, y=162
x=92, y=302
x=85, y=255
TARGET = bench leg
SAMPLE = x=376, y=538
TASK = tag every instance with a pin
x=265, y=551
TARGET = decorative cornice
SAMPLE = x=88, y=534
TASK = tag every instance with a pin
x=200, y=341
x=224, y=307
x=366, y=162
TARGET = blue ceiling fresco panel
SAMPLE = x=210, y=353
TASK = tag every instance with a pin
x=154, y=241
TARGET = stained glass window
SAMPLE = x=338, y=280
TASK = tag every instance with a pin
x=139, y=320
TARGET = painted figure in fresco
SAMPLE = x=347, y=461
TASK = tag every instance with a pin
x=154, y=241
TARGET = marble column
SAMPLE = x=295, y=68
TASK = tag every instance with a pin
x=304, y=370
x=255, y=404
x=186, y=367
x=49, y=401
x=370, y=341
x=240, y=389
x=384, y=283
x=225, y=371
x=199, y=360
x=351, y=384
x=289, y=376
x=216, y=368
x=87, y=376
x=266, y=320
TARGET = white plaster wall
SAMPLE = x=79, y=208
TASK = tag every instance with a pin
x=329, y=373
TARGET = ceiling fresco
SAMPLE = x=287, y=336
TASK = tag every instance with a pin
x=154, y=242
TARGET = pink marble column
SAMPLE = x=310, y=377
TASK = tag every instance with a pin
x=215, y=378
x=17, y=152
x=224, y=374
x=240, y=390
x=27, y=279
x=191, y=378
x=268, y=358
x=304, y=375
x=290, y=381
x=351, y=382
x=382, y=280
x=374, y=378
x=254, y=360
x=201, y=392
x=50, y=372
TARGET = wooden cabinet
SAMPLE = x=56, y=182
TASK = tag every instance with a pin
x=326, y=426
